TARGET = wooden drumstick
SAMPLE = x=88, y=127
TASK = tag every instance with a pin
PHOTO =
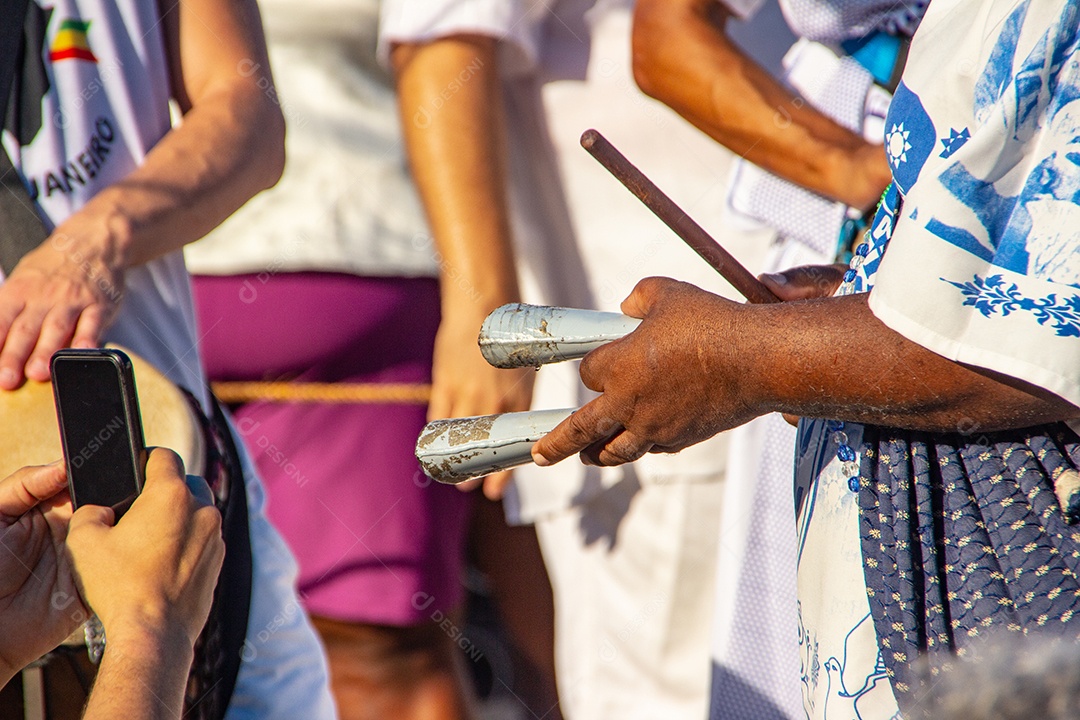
x=675, y=218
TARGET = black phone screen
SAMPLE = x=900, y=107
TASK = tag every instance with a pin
x=100, y=457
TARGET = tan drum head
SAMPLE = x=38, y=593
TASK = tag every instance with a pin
x=31, y=435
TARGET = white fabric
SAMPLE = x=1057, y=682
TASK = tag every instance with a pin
x=843, y=675
x=987, y=160
x=516, y=22
x=834, y=20
x=756, y=659
x=103, y=113
x=663, y=669
x=618, y=241
x=345, y=202
x=633, y=589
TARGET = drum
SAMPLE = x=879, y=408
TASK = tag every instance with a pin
x=169, y=420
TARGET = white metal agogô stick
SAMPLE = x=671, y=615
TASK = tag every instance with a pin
x=519, y=335
x=459, y=449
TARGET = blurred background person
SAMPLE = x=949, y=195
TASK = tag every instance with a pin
x=493, y=99
x=102, y=186
x=331, y=279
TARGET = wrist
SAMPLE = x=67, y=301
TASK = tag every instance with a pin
x=464, y=302
x=136, y=638
x=102, y=231
x=870, y=176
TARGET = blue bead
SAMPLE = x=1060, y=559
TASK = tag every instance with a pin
x=863, y=250
x=849, y=276
x=853, y=484
x=834, y=425
x=845, y=453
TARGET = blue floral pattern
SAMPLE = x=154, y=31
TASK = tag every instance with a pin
x=994, y=295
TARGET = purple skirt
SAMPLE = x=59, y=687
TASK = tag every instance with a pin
x=376, y=540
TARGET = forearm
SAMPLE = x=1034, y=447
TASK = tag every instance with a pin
x=832, y=358
x=142, y=677
x=457, y=150
x=229, y=147
x=682, y=57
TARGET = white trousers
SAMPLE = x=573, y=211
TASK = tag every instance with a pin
x=632, y=574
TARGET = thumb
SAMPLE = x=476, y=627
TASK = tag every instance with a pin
x=806, y=282
x=90, y=519
x=644, y=296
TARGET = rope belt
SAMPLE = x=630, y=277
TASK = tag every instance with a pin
x=233, y=393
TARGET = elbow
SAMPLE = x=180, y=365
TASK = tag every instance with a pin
x=268, y=127
x=272, y=147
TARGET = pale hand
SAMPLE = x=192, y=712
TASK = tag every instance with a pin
x=154, y=572
x=62, y=294
x=464, y=385
x=39, y=603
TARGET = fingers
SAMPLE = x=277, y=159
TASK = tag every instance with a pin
x=440, y=403
x=166, y=483
x=21, y=338
x=806, y=282
x=90, y=519
x=585, y=427
x=164, y=464
x=469, y=485
x=495, y=485
x=644, y=296
x=55, y=332
x=625, y=447
x=36, y=332
x=24, y=489
x=88, y=330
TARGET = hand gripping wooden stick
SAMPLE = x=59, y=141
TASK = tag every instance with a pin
x=675, y=218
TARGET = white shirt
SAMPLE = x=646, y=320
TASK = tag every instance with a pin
x=345, y=202
x=987, y=161
x=105, y=105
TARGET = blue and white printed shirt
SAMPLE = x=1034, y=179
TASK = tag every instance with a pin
x=983, y=138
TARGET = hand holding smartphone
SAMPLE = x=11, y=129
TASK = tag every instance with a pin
x=100, y=427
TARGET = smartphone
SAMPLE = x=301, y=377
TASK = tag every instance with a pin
x=100, y=427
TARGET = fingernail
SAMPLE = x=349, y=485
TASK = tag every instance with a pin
x=777, y=278
x=540, y=460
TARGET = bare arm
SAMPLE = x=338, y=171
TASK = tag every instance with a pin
x=682, y=57
x=451, y=107
x=229, y=147
x=143, y=676
x=700, y=364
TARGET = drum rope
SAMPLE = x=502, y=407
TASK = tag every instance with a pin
x=233, y=393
